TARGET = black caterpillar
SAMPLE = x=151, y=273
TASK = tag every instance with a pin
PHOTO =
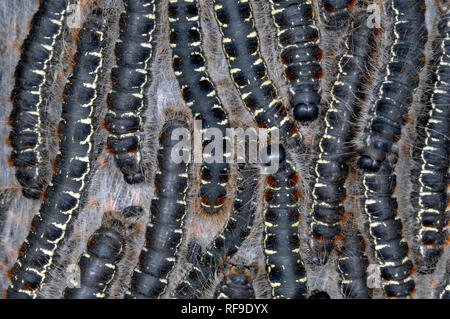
x=62, y=199
x=31, y=75
x=200, y=95
x=248, y=70
x=432, y=199
x=336, y=12
x=389, y=113
x=165, y=227
x=228, y=241
x=299, y=39
x=352, y=266
x=391, y=249
x=237, y=283
x=98, y=265
x=285, y=268
x=331, y=169
x=129, y=78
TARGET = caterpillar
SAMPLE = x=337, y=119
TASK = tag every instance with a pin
x=389, y=113
x=385, y=227
x=200, y=95
x=248, y=70
x=331, y=169
x=165, y=228
x=336, y=13
x=317, y=294
x=237, y=282
x=285, y=268
x=432, y=197
x=299, y=39
x=352, y=266
x=62, y=199
x=31, y=75
x=129, y=78
x=98, y=265
x=228, y=241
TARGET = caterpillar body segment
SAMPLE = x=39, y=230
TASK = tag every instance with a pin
x=336, y=13
x=130, y=76
x=237, y=283
x=31, y=75
x=352, y=266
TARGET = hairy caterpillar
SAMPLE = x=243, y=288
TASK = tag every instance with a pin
x=129, y=78
x=391, y=249
x=285, y=268
x=200, y=95
x=401, y=79
x=62, y=199
x=352, y=266
x=336, y=12
x=237, y=282
x=299, y=39
x=330, y=169
x=98, y=264
x=31, y=75
x=165, y=227
x=228, y=241
x=248, y=70
x=432, y=197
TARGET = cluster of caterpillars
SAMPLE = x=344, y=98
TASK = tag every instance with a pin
x=28, y=96
x=298, y=25
x=63, y=196
x=331, y=168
